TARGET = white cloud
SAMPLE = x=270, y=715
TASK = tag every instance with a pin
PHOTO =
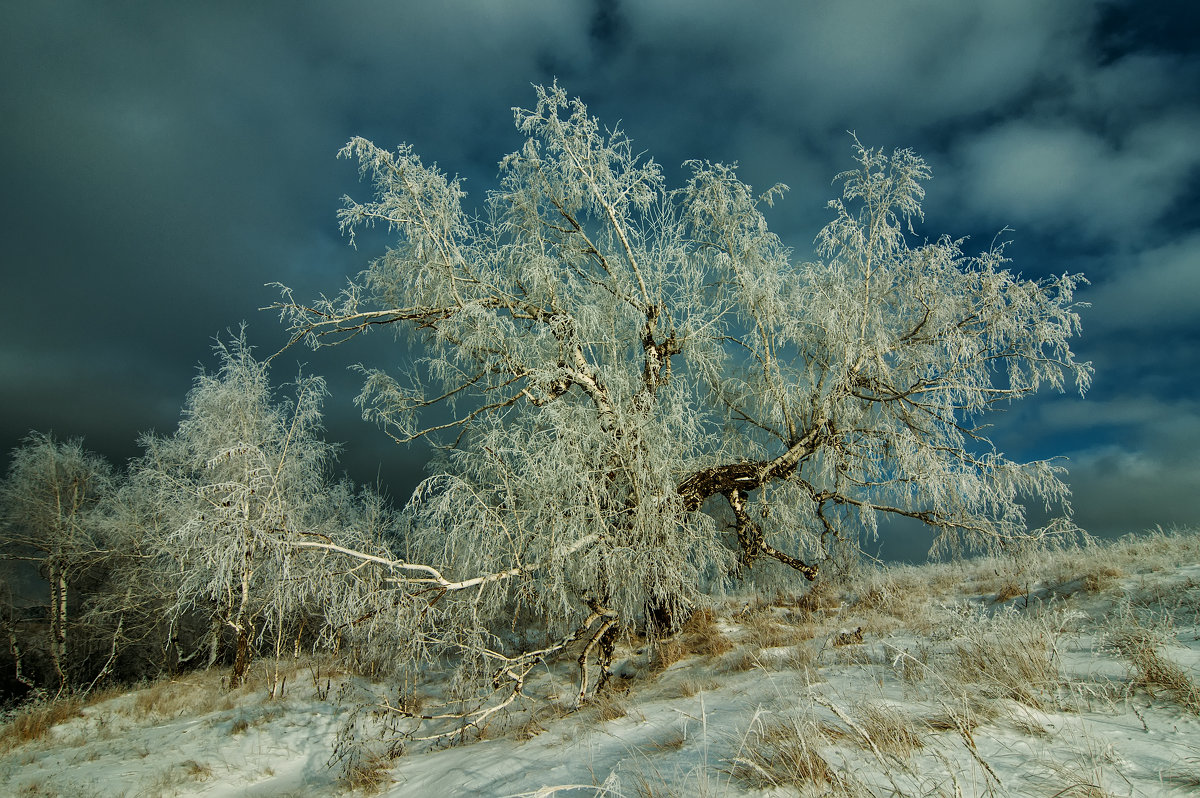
x=1074, y=413
x=1150, y=291
x=1060, y=176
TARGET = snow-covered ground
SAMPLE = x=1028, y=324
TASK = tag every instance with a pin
x=1066, y=675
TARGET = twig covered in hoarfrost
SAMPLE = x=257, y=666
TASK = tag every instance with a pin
x=514, y=671
x=434, y=577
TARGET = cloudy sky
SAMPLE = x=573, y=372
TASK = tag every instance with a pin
x=161, y=162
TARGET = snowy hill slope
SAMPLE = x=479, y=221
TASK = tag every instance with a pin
x=1066, y=674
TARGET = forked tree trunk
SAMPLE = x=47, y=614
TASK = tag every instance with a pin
x=601, y=644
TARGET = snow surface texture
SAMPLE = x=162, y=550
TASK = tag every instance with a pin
x=1068, y=674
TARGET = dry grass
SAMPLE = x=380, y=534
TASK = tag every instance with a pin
x=700, y=636
x=739, y=660
x=1142, y=645
x=1175, y=599
x=535, y=719
x=1006, y=656
x=39, y=790
x=1154, y=550
x=1007, y=591
x=1184, y=774
x=911, y=665
x=1031, y=727
x=1101, y=578
x=1084, y=771
x=193, y=693
x=672, y=742
x=179, y=774
x=966, y=713
x=667, y=652
x=853, y=654
x=35, y=722
x=802, y=657
x=369, y=773
x=364, y=750
x=196, y=770
x=821, y=598
x=765, y=629
x=251, y=717
x=792, y=752
x=901, y=597
x=688, y=687
x=783, y=753
x=607, y=705
x=893, y=732
x=703, y=635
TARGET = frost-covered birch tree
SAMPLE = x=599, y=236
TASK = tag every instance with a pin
x=241, y=480
x=48, y=517
x=639, y=387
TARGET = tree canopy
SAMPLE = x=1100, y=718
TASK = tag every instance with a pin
x=645, y=392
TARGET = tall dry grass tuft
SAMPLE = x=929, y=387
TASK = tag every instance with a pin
x=1101, y=577
x=899, y=597
x=700, y=635
x=1084, y=770
x=1142, y=646
x=765, y=629
x=703, y=636
x=35, y=721
x=892, y=731
x=189, y=694
x=1008, y=656
x=369, y=773
x=607, y=705
x=786, y=752
x=1185, y=773
x=364, y=750
x=174, y=778
x=822, y=597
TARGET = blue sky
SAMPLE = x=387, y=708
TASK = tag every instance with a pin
x=161, y=162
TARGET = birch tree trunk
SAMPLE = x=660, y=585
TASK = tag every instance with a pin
x=243, y=624
x=58, y=623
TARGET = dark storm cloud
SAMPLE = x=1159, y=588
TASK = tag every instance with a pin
x=161, y=162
